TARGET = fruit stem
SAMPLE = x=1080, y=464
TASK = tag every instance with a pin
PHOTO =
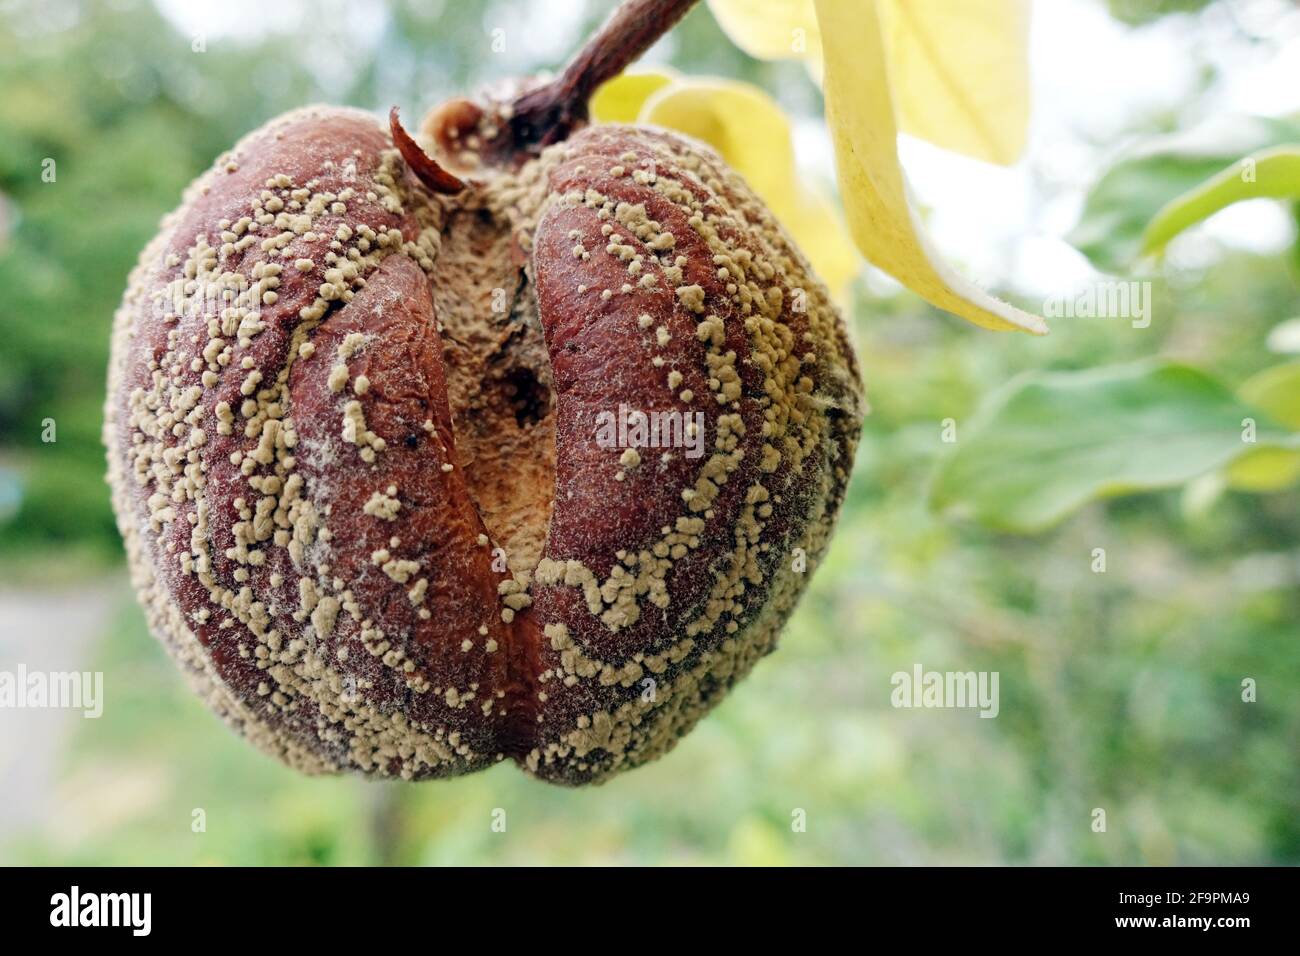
x=549, y=113
x=425, y=167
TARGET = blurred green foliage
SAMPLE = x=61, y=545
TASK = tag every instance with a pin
x=1049, y=442
x=1137, y=12
x=1120, y=690
x=1127, y=198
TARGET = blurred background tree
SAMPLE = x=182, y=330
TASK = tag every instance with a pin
x=1120, y=690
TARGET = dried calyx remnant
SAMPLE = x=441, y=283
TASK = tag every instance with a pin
x=352, y=435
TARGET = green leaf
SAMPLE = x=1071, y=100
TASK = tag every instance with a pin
x=1263, y=470
x=1130, y=194
x=1275, y=392
x=1051, y=441
x=1271, y=174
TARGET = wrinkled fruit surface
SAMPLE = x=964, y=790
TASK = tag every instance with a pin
x=354, y=445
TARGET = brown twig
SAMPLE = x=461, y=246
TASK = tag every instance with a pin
x=550, y=113
x=506, y=131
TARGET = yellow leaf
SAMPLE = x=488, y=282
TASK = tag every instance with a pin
x=770, y=29
x=621, y=99
x=752, y=135
x=860, y=113
x=740, y=121
x=959, y=69
x=960, y=73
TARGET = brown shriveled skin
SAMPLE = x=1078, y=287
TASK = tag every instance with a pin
x=353, y=443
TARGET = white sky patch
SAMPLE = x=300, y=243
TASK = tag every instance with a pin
x=247, y=20
x=343, y=33
x=536, y=32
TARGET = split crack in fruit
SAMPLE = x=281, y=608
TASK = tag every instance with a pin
x=338, y=397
